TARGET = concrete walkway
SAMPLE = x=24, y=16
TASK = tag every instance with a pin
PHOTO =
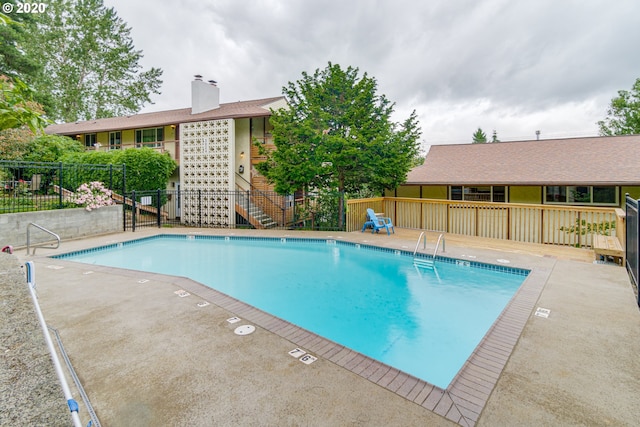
x=148, y=357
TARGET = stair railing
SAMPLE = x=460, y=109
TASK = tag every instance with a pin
x=253, y=190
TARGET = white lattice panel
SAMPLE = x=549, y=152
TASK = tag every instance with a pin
x=207, y=163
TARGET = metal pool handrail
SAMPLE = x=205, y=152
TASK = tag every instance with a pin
x=435, y=251
x=43, y=229
x=71, y=403
x=418, y=242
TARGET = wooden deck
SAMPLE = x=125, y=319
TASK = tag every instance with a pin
x=608, y=246
x=535, y=249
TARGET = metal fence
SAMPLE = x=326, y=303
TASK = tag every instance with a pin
x=632, y=242
x=232, y=209
x=32, y=186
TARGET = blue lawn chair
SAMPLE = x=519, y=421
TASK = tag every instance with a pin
x=377, y=222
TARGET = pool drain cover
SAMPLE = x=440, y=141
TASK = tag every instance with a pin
x=244, y=329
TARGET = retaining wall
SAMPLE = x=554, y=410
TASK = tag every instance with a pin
x=66, y=223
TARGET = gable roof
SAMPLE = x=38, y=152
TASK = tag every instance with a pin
x=231, y=110
x=613, y=160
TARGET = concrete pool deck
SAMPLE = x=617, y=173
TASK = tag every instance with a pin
x=147, y=356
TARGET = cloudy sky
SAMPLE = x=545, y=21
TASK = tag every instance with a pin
x=515, y=66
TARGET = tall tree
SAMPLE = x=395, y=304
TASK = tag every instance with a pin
x=89, y=63
x=337, y=134
x=623, y=114
x=14, y=35
x=494, y=137
x=479, y=137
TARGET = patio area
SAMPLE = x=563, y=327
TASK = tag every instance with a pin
x=148, y=357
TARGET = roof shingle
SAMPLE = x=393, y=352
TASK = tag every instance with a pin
x=588, y=161
x=254, y=108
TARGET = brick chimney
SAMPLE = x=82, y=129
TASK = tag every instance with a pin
x=205, y=96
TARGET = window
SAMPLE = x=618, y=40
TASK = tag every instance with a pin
x=479, y=193
x=581, y=195
x=90, y=140
x=149, y=137
x=115, y=140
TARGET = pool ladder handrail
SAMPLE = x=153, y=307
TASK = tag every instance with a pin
x=424, y=245
x=435, y=251
x=41, y=244
x=426, y=263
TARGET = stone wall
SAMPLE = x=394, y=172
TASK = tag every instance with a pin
x=66, y=223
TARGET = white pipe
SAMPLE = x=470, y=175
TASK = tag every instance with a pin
x=73, y=405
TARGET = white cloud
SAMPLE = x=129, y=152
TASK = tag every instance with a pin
x=514, y=66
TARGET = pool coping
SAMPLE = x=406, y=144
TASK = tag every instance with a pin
x=467, y=394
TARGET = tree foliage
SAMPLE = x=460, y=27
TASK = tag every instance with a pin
x=479, y=137
x=337, y=134
x=51, y=148
x=14, y=143
x=146, y=169
x=89, y=65
x=14, y=35
x=17, y=107
x=623, y=114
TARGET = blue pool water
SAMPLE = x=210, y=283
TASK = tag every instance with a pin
x=423, y=322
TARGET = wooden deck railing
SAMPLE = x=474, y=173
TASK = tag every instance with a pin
x=560, y=225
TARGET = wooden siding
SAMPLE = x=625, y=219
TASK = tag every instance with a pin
x=551, y=224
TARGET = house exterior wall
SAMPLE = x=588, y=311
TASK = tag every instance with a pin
x=525, y=194
x=208, y=163
x=435, y=192
x=634, y=192
x=243, y=144
x=529, y=194
x=408, y=191
x=128, y=138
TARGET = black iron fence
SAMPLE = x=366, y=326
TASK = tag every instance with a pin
x=31, y=186
x=233, y=209
x=632, y=242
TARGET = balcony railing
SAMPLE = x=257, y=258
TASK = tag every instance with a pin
x=171, y=146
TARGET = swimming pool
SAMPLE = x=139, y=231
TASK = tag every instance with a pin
x=372, y=300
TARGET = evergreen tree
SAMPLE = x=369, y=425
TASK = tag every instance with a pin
x=337, y=134
x=494, y=137
x=479, y=137
x=14, y=36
